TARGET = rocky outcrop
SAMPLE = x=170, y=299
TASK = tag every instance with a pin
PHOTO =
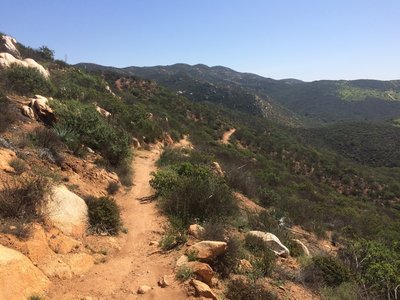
x=8, y=44
x=203, y=290
x=208, y=250
x=272, y=242
x=19, y=278
x=67, y=211
x=203, y=271
x=102, y=111
x=42, y=110
x=6, y=60
x=196, y=230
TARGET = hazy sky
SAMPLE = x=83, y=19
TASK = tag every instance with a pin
x=304, y=39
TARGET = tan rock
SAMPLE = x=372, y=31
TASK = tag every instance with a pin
x=67, y=211
x=61, y=243
x=102, y=111
x=196, y=230
x=217, y=169
x=19, y=278
x=143, y=289
x=244, y=266
x=202, y=270
x=79, y=263
x=203, y=290
x=9, y=45
x=28, y=112
x=136, y=143
x=164, y=281
x=40, y=106
x=208, y=250
x=43, y=257
x=182, y=261
x=272, y=242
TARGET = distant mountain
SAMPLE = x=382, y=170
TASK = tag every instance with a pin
x=290, y=101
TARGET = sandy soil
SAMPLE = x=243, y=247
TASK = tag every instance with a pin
x=137, y=263
x=227, y=135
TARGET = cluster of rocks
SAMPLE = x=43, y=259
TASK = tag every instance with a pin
x=51, y=253
x=39, y=109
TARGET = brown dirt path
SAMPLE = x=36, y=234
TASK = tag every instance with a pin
x=134, y=265
x=227, y=135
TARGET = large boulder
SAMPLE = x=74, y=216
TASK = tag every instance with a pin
x=6, y=60
x=67, y=211
x=42, y=110
x=204, y=272
x=8, y=44
x=208, y=250
x=272, y=242
x=19, y=278
x=203, y=290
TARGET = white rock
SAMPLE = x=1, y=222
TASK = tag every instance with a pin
x=272, y=242
x=67, y=211
x=6, y=60
x=143, y=289
x=10, y=45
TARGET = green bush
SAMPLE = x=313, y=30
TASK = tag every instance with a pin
x=192, y=192
x=19, y=165
x=227, y=263
x=81, y=124
x=112, y=188
x=174, y=235
x=239, y=289
x=263, y=260
x=9, y=115
x=26, y=81
x=23, y=197
x=345, y=291
x=326, y=271
x=104, y=215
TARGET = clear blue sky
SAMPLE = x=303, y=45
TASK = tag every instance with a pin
x=304, y=39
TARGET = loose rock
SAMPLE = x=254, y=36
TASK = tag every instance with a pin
x=143, y=289
x=203, y=290
x=272, y=242
x=208, y=250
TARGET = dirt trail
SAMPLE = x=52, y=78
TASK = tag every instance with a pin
x=227, y=135
x=134, y=264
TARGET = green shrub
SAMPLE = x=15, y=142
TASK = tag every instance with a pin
x=112, y=188
x=239, y=289
x=23, y=197
x=184, y=273
x=227, y=263
x=104, y=215
x=326, y=271
x=18, y=165
x=26, y=81
x=345, y=291
x=263, y=260
x=8, y=114
x=82, y=124
x=174, y=235
x=193, y=192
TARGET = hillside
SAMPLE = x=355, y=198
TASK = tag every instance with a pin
x=183, y=198
x=291, y=101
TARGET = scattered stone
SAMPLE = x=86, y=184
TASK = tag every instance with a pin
x=67, y=211
x=202, y=270
x=143, y=289
x=164, y=281
x=272, y=242
x=208, y=250
x=306, y=252
x=203, y=290
x=182, y=261
x=19, y=278
x=154, y=243
x=196, y=230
